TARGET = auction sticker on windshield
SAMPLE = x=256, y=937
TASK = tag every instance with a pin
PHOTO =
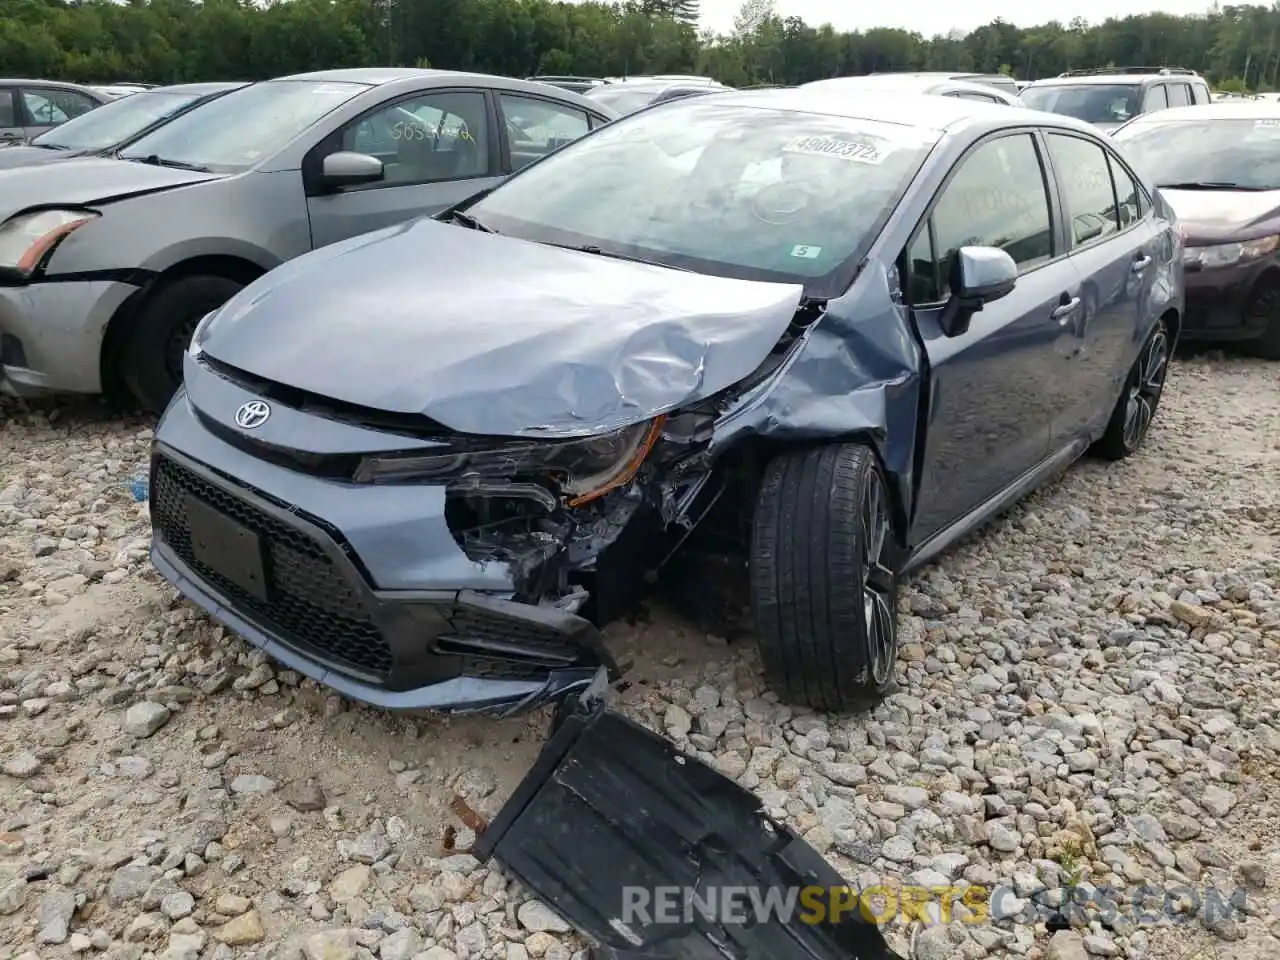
x=857, y=151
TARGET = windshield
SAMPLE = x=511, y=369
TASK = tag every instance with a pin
x=114, y=122
x=622, y=99
x=1090, y=102
x=244, y=127
x=727, y=190
x=1240, y=151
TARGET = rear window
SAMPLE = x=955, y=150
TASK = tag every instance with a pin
x=624, y=99
x=1005, y=84
x=1090, y=102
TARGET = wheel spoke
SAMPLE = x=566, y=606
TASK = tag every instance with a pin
x=1137, y=418
x=1155, y=366
x=874, y=522
x=878, y=582
x=880, y=625
x=879, y=578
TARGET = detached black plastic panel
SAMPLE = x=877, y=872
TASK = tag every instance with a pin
x=609, y=805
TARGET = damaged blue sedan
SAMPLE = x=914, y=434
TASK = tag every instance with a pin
x=424, y=466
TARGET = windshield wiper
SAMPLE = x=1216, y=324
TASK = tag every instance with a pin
x=591, y=248
x=457, y=216
x=158, y=161
x=49, y=146
x=1209, y=185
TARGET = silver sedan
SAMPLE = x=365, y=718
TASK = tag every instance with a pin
x=107, y=265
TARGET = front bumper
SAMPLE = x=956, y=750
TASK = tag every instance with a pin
x=1219, y=301
x=307, y=591
x=51, y=335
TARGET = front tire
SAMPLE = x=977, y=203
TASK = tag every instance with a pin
x=1131, y=419
x=1267, y=304
x=152, y=359
x=823, y=593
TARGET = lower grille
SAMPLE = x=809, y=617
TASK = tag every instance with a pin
x=313, y=605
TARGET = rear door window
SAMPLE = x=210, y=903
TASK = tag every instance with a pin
x=50, y=107
x=1128, y=194
x=1085, y=174
x=1179, y=95
x=538, y=127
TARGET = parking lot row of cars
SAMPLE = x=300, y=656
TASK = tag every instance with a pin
x=826, y=329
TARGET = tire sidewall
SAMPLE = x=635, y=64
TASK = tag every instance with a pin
x=183, y=302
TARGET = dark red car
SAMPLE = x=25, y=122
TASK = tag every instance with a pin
x=1218, y=166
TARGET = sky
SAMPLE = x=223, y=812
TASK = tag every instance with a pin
x=930, y=17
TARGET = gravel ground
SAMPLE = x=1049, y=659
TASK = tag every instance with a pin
x=1089, y=695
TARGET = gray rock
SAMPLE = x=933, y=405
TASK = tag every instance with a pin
x=404, y=944
x=177, y=905
x=22, y=765
x=144, y=718
x=252, y=783
x=537, y=917
x=1066, y=945
x=53, y=921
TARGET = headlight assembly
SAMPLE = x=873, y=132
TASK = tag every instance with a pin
x=26, y=238
x=1229, y=254
x=582, y=470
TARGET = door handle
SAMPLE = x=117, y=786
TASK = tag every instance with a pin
x=1141, y=264
x=1061, y=313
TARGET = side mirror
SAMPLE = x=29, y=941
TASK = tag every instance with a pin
x=348, y=169
x=979, y=275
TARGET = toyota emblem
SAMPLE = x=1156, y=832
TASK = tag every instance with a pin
x=253, y=414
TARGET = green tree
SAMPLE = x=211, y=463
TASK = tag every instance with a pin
x=176, y=40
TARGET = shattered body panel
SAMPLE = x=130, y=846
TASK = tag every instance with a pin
x=612, y=814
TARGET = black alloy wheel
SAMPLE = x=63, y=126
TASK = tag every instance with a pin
x=1136, y=409
x=823, y=589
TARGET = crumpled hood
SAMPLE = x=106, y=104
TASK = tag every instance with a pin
x=492, y=335
x=26, y=156
x=1225, y=215
x=86, y=180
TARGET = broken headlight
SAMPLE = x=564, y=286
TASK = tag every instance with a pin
x=581, y=469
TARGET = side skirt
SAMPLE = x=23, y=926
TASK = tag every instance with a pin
x=1055, y=464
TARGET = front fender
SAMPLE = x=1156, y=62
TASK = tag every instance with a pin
x=857, y=372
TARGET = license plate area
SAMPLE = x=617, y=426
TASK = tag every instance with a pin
x=226, y=547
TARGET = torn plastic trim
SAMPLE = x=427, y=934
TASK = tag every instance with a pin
x=610, y=808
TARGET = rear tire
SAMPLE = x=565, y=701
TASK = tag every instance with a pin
x=151, y=364
x=1140, y=398
x=824, y=596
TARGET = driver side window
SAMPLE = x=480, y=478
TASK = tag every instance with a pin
x=427, y=139
x=997, y=198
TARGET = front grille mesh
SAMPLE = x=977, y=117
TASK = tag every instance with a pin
x=313, y=604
